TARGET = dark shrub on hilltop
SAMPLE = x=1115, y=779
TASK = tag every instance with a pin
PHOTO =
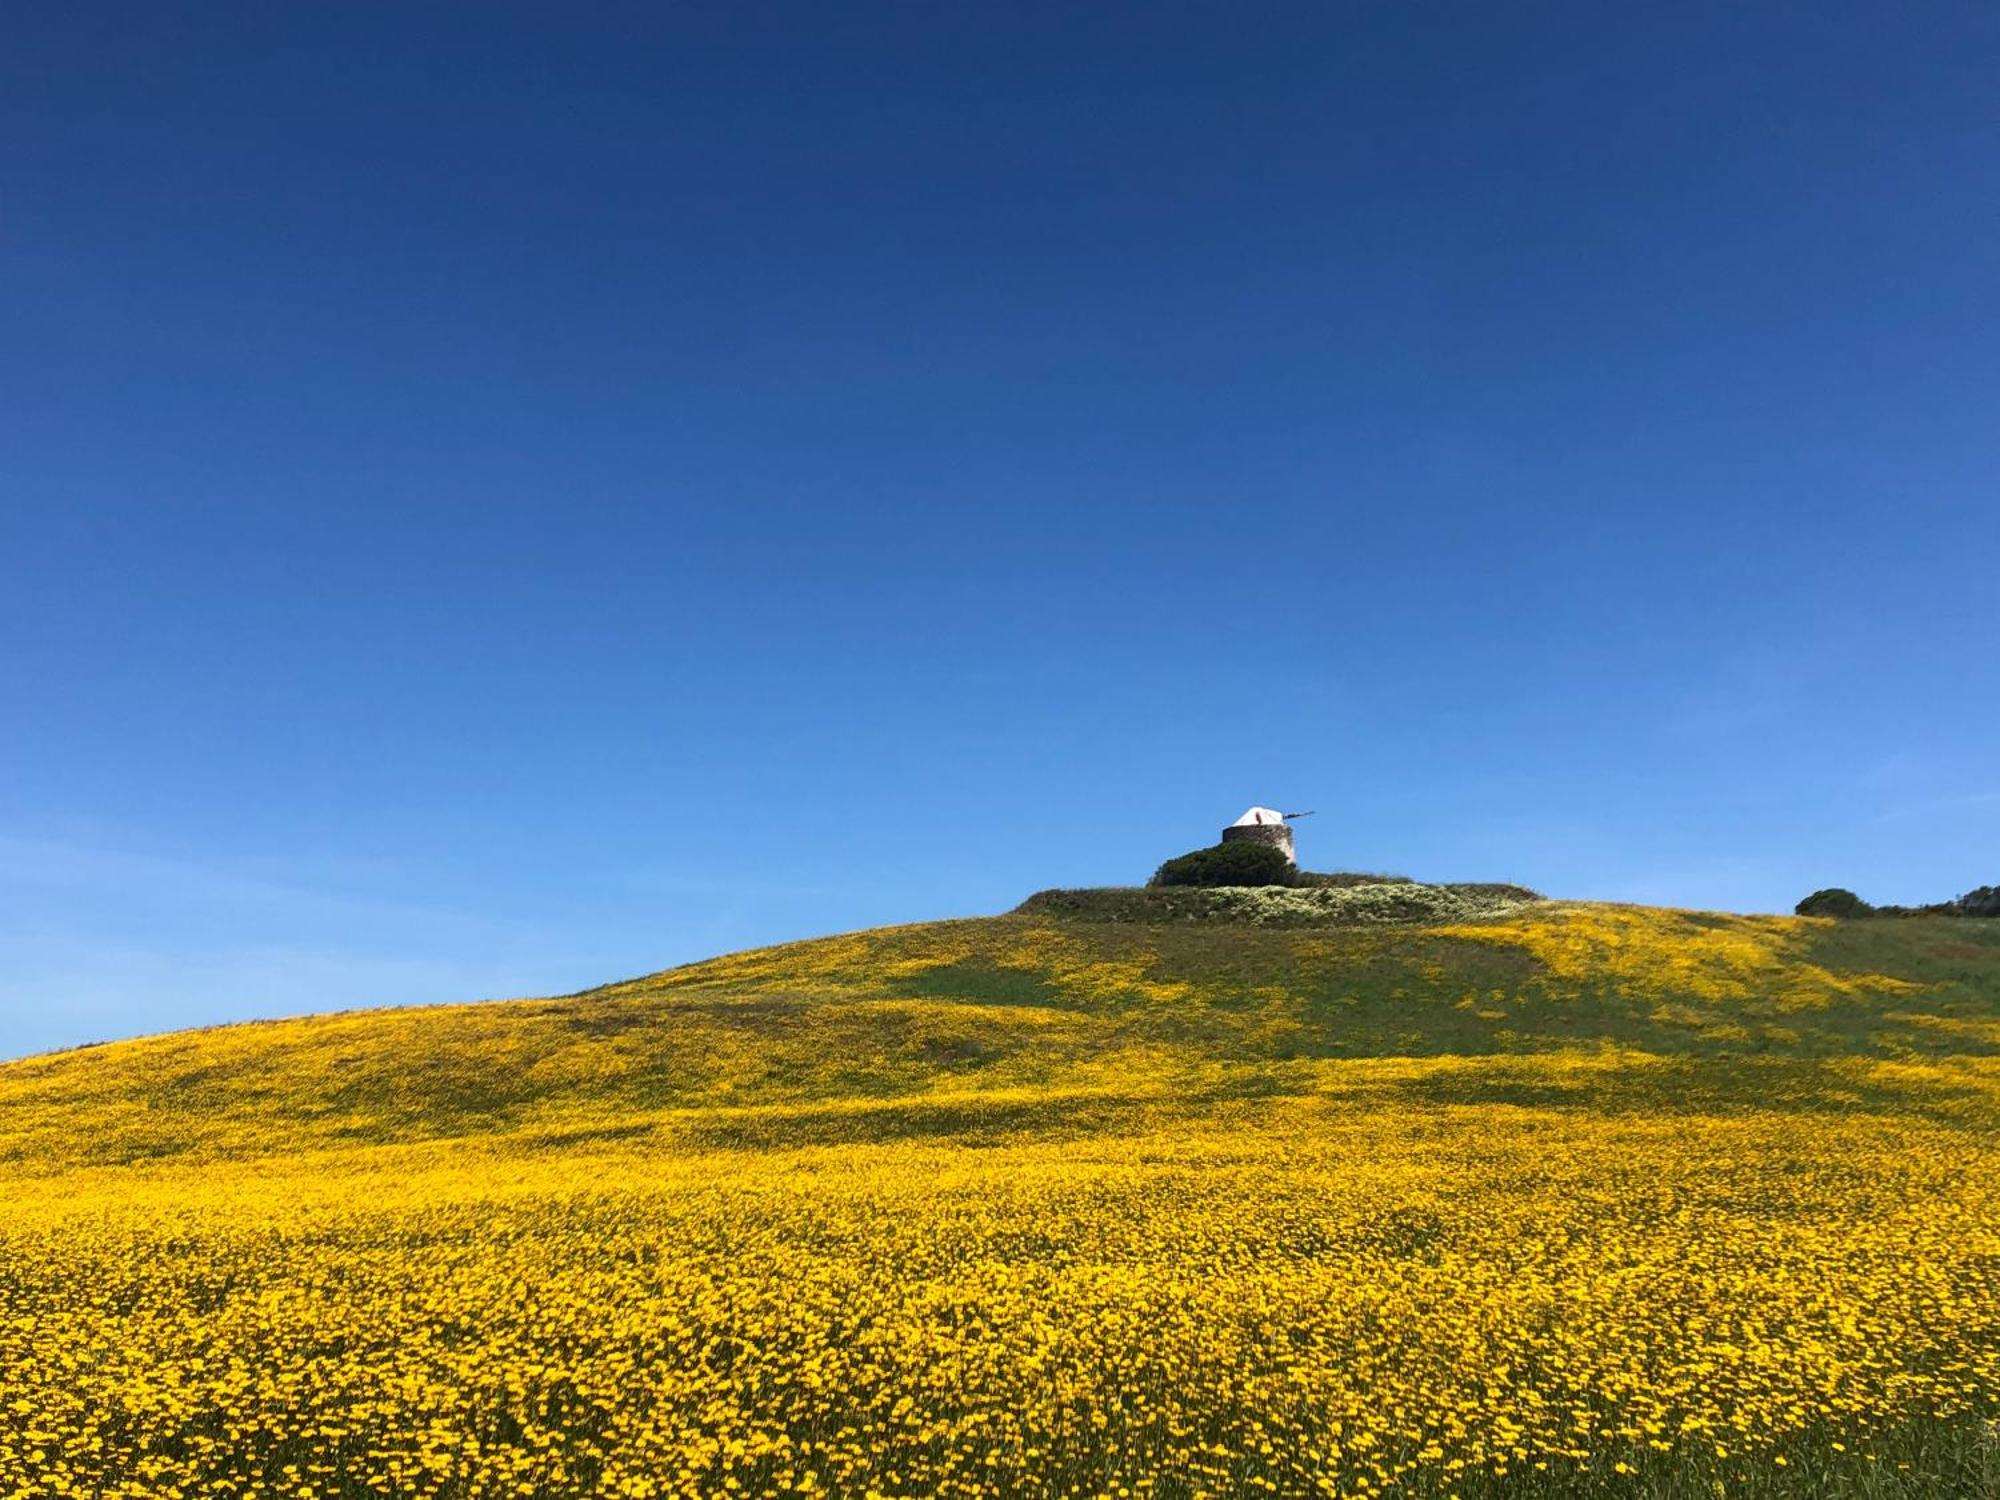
x=1834, y=902
x=1237, y=863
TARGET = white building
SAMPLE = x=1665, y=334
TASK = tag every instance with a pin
x=1262, y=825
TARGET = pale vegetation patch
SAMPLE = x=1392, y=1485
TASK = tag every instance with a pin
x=1351, y=902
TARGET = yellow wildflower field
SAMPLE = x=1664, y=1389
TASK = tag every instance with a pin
x=1583, y=1201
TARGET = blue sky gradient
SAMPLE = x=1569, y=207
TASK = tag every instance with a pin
x=494, y=500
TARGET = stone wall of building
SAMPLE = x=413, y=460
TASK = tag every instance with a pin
x=1278, y=835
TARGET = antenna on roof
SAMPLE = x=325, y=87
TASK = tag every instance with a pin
x=1306, y=814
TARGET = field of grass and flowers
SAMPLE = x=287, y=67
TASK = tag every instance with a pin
x=1569, y=1200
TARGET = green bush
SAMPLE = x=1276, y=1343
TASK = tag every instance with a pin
x=1834, y=902
x=1239, y=863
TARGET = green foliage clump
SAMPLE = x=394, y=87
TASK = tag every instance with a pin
x=1237, y=863
x=1834, y=901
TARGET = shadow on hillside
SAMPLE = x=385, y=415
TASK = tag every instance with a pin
x=1689, y=1086
x=1655, y=1088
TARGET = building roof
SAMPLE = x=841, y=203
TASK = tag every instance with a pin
x=1258, y=815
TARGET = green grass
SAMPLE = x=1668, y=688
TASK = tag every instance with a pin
x=1922, y=1461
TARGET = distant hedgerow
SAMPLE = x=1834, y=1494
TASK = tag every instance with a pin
x=1835, y=902
x=1984, y=902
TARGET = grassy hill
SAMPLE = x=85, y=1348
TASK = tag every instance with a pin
x=998, y=1022
x=1095, y=1197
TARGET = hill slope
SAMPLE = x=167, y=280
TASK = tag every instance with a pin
x=972, y=1018
x=1569, y=1200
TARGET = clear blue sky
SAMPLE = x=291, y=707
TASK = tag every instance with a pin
x=494, y=500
